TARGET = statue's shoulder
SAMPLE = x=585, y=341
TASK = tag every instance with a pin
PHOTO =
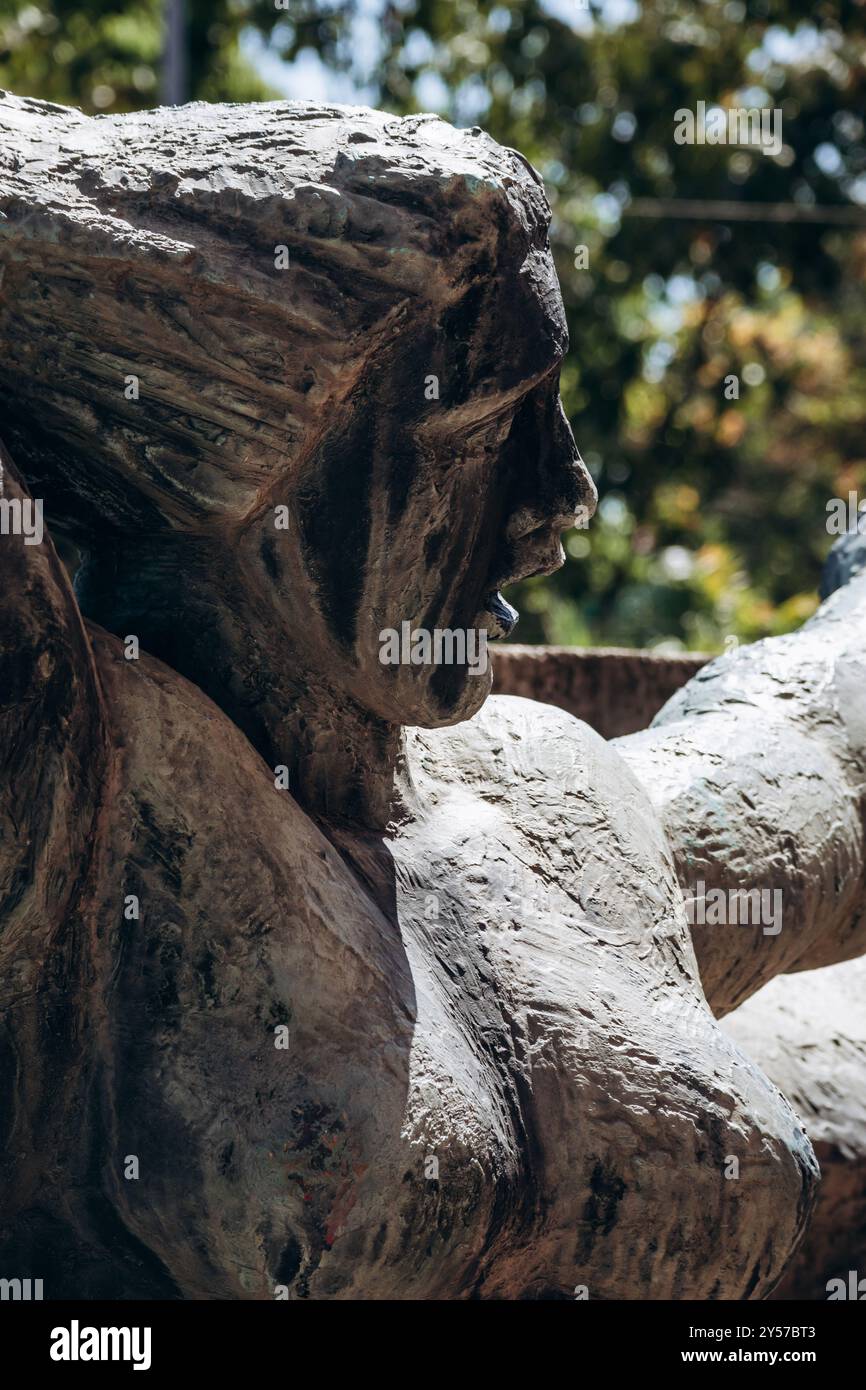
x=538, y=726
x=516, y=738
x=524, y=753
x=213, y=829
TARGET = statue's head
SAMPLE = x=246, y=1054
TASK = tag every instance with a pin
x=302, y=359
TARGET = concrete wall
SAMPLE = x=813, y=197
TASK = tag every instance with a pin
x=615, y=690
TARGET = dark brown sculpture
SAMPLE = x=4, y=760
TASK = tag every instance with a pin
x=412, y=1027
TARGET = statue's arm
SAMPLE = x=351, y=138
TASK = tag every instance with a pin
x=53, y=788
x=52, y=744
x=758, y=769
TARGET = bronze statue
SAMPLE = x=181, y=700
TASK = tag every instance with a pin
x=323, y=976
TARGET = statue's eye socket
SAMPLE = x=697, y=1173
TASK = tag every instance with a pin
x=492, y=432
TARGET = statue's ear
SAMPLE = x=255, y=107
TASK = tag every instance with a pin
x=51, y=727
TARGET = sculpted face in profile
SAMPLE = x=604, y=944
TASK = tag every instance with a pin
x=362, y=387
x=404, y=1030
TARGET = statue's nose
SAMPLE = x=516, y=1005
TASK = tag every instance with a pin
x=562, y=493
x=585, y=498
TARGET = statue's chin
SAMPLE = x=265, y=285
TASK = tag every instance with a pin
x=430, y=706
x=469, y=696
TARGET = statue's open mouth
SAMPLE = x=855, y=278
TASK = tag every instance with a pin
x=501, y=617
x=539, y=551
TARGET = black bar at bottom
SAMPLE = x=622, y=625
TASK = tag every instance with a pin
x=262, y=1338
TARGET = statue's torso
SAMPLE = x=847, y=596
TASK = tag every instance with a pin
x=399, y=1066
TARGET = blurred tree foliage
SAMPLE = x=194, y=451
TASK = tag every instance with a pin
x=712, y=512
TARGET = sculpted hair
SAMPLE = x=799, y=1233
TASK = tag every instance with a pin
x=160, y=368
